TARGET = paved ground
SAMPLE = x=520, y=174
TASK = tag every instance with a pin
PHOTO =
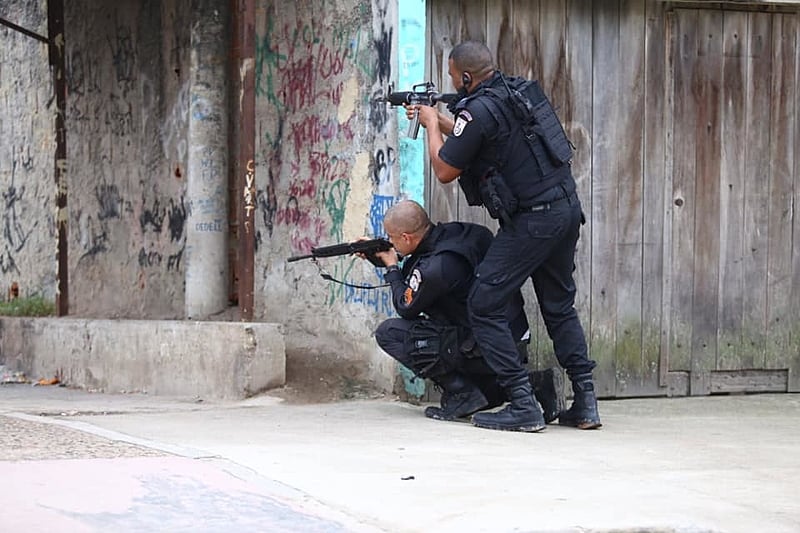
x=91, y=462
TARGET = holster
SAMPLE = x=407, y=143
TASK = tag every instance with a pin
x=497, y=196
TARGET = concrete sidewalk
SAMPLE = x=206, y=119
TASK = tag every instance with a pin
x=728, y=464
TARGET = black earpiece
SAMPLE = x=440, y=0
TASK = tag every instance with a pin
x=466, y=79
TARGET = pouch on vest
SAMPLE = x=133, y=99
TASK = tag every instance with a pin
x=500, y=202
x=538, y=118
x=471, y=186
x=433, y=348
x=551, y=133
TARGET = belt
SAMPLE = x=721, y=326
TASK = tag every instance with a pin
x=546, y=206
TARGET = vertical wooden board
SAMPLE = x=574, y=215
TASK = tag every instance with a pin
x=672, y=48
x=577, y=117
x=499, y=34
x=794, y=356
x=781, y=173
x=444, y=30
x=683, y=176
x=605, y=192
x=525, y=39
x=629, y=142
x=706, y=87
x=473, y=20
x=731, y=274
x=473, y=27
x=756, y=193
x=653, y=193
x=552, y=31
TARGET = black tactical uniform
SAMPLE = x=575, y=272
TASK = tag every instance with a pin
x=432, y=337
x=527, y=183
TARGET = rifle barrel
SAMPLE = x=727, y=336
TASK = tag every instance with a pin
x=299, y=257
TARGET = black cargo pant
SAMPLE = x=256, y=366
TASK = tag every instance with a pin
x=540, y=245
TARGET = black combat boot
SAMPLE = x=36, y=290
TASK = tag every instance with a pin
x=548, y=388
x=460, y=398
x=582, y=413
x=522, y=414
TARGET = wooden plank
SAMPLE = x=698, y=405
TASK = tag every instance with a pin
x=756, y=195
x=706, y=88
x=552, y=31
x=682, y=194
x=525, y=39
x=734, y=126
x=473, y=27
x=629, y=363
x=672, y=39
x=794, y=354
x=498, y=33
x=781, y=184
x=473, y=20
x=653, y=194
x=605, y=192
x=737, y=381
x=629, y=141
x=577, y=118
x=444, y=30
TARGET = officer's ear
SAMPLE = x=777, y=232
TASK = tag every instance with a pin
x=466, y=79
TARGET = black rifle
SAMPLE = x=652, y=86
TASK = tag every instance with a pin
x=420, y=94
x=369, y=248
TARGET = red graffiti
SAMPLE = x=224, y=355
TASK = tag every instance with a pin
x=311, y=130
x=303, y=187
x=326, y=168
x=331, y=63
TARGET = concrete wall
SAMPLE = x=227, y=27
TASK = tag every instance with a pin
x=27, y=155
x=326, y=172
x=148, y=164
x=178, y=358
x=128, y=115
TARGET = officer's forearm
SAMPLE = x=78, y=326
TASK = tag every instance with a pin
x=444, y=172
x=445, y=124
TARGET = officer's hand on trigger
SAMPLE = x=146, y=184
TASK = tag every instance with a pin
x=389, y=257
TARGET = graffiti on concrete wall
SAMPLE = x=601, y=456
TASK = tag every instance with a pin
x=310, y=117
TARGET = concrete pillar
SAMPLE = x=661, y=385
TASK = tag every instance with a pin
x=207, y=187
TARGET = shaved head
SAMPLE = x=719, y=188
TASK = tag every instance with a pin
x=473, y=57
x=406, y=216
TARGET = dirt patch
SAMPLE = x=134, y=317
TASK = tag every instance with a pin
x=315, y=378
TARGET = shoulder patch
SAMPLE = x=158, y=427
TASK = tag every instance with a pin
x=463, y=118
x=416, y=279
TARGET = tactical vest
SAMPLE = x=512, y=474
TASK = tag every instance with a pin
x=522, y=105
x=466, y=240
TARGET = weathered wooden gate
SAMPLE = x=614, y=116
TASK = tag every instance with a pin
x=685, y=119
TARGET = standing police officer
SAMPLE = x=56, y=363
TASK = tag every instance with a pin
x=432, y=336
x=508, y=149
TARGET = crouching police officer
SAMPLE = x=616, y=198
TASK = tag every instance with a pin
x=510, y=153
x=432, y=335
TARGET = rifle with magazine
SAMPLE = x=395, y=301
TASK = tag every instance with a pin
x=368, y=248
x=420, y=94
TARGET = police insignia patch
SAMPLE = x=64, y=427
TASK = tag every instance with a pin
x=462, y=120
x=416, y=279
